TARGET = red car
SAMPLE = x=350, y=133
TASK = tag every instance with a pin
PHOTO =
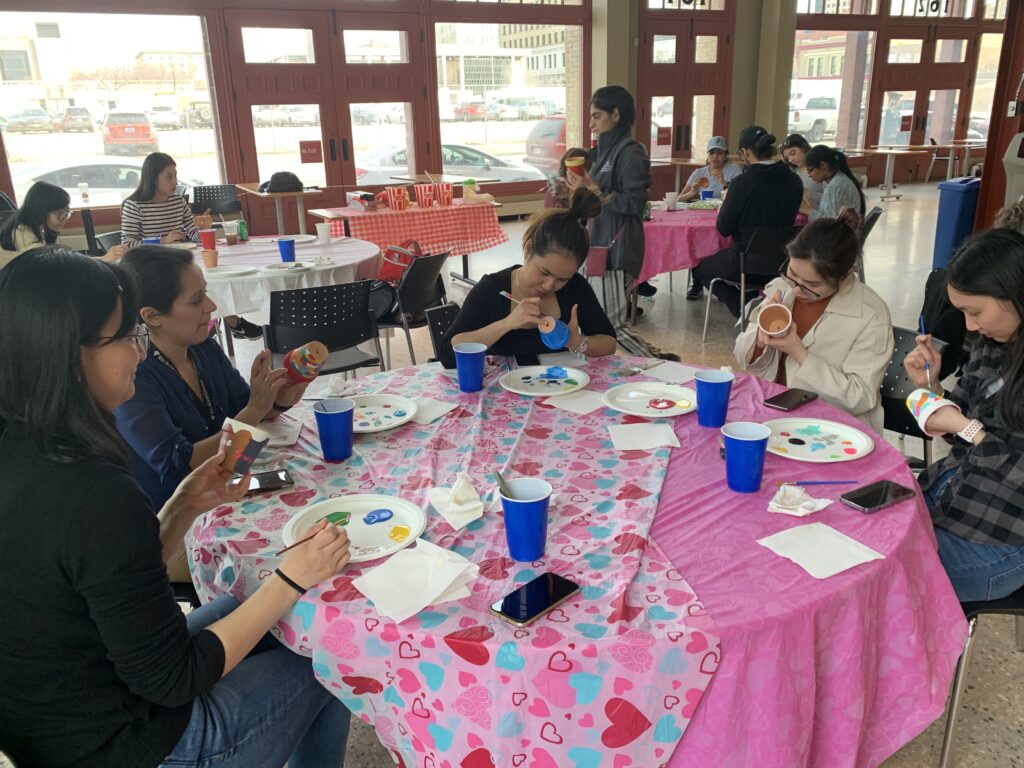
x=129, y=133
x=546, y=144
x=471, y=110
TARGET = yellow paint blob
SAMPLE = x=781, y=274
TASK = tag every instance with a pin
x=399, y=533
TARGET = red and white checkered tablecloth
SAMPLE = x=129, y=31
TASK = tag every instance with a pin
x=459, y=228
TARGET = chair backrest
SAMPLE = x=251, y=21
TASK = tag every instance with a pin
x=766, y=250
x=6, y=204
x=439, y=320
x=897, y=386
x=869, y=223
x=932, y=141
x=338, y=316
x=108, y=240
x=421, y=285
x=217, y=198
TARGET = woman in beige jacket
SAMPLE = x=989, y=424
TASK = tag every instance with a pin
x=840, y=340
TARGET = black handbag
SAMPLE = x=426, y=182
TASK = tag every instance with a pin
x=383, y=299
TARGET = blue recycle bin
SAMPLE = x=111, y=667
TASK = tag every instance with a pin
x=958, y=200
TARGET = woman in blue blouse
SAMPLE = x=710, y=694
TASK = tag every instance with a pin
x=186, y=386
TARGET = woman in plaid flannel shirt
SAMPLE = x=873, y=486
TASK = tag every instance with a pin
x=976, y=493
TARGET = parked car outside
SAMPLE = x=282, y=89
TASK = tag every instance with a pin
x=128, y=133
x=498, y=111
x=814, y=116
x=364, y=115
x=31, y=121
x=471, y=110
x=166, y=119
x=199, y=114
x=392, y=113
x=379, y=166
x=546, y=144
x=301, y=114
x=103, y=175
x=526, y=108
x=75, y=119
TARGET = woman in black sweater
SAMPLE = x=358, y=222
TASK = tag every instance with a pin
x=548, y=283
x=766, y=194
x=98, y=665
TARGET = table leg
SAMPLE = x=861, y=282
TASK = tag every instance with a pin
x=90, y=233
x=464, y=276
x=679, y=171
x=967, y=160
x=280, y=215
x=887, y=193
x=954, y=157
x=302, y=214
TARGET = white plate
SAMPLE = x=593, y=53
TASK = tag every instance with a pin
x=185, y=246
x=817, y=440
x=651, y=399
x=229, y=271
x=369, y=541
x=376, y=413
x=536, y=380
x=286, y=267
x=299, y=239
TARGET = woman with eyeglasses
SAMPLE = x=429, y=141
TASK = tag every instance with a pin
x=186, y=385
x=794, y=149
x=98, y=664
x=39, y=221
x=829, y=166
x=840, y=340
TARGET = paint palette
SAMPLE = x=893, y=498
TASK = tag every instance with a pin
x=651, y=399
x=376, y=413
x=546, y=380
x=817, y=440
x=377, y=525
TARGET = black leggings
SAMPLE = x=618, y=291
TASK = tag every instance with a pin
x=726, y=264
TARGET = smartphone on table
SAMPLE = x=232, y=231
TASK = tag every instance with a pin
x=269, y=481
x=535, y=598
x=791, y=399
x=876, y=496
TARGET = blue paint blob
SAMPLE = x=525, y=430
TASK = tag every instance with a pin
x=378, y=516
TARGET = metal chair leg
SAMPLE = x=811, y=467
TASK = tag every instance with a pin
x=387, y=351
x=946, y=759
x=380, y=357
x=1018, y=634
x=408, y=339
x=670, y=282
x=927, y=453
x=707, y=308
x=860, y=267
x=928, y=177
x=743, y=302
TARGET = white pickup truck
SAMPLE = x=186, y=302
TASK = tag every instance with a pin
x=813, y=116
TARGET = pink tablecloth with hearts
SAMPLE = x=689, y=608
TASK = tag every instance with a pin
x=611, y=678
x=679, y=240
x=834, y=673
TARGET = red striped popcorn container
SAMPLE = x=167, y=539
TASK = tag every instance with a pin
x=443, y=192
x=424, y=195
x=396, y=198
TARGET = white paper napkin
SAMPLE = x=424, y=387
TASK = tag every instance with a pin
x=639, y=437
x=819, y=549
x=416, y=577
x=673, y=373
x=283, y=431
x=570, y=359
x=581, y=401
x=428, y=409
x=459, y=505
x=794, y=500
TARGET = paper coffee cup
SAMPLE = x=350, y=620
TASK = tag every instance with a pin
x=671, y=198
x=576, y=165
x=775, y=320
x=210, y=258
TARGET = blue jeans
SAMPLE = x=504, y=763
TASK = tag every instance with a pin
x=267, y=711
x=977, y=571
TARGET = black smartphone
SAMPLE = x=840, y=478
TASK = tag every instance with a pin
x=534, y=599
x=791, y=399
x=876, y=496
x=269, y=481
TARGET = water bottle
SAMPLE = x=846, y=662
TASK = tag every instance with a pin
x=243, y=230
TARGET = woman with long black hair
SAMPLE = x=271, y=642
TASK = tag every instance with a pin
x=98, y=665
x=830, y=167
x=976, y=493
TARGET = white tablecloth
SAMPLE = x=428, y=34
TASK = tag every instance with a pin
x=350, y=260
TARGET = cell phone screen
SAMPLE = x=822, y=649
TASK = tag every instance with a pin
x=269, y=481
x=535, y=597
x=790, y=399
x=876, y=495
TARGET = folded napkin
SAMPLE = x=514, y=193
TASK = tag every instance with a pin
x=459, y=505
x=582, y=401
x=673, y=373
x=639, y=437
x=794, y=500
x=416, y=577
x=428, y=409
x=283, y=431
x=819, y=549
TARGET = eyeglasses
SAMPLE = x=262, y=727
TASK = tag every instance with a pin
x=63, y=214
x=140, y=337
x=784, y=274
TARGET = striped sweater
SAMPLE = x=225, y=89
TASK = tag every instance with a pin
x=147, y=219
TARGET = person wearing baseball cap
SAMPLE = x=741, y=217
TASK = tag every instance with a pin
x=766, y=194
x=715, y=175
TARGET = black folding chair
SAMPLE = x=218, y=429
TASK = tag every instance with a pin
x=420, y=288
x=338, y=316
x=762, y=258
x=439, y=320
x=896, y=388
x=865, y=229
x=108, y=240
x=218, y=199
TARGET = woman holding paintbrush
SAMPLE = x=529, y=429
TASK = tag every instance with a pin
x=504, y=309
x=976, y=493
x=98, y=664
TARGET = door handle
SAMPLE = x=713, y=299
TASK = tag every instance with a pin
x=679, y=138
x=344, y=150
x=331, y=150
x=686, y=141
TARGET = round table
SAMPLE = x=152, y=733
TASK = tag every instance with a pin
x=839, y=672
x=345, y=260
x=679, y=239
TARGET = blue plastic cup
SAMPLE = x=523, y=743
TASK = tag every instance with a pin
x=334, y=423
x=526, y=517
x=286, y=245
x=469, y=361
x=151, y=240
x=745, y=446
x=707, y=194
x=713, y=388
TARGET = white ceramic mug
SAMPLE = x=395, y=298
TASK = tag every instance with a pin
x=323, y=233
